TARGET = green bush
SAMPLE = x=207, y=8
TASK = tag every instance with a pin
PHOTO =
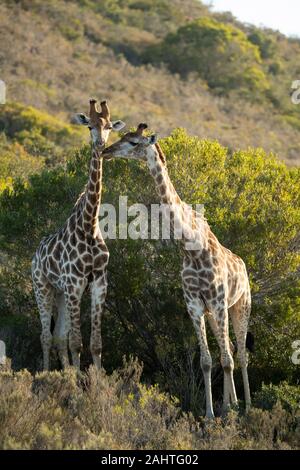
x=265, y=43
x=15, y=162
x=270, y=395
x=220, y=53
x=39, y=133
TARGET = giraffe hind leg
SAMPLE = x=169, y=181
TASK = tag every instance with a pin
x=240, y=313
x=226, y=358
x=196, y=310
x=98, y=296
x=215, y=330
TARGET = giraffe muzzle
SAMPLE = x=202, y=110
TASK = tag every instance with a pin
x=106, y=154
x=99, y=144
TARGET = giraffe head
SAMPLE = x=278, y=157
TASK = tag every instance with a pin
x=133, y=145
x=99, y=123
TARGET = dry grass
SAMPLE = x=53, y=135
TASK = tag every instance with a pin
x=61, y=411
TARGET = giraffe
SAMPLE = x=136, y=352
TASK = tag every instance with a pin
x=74, y=257
x=214, y=280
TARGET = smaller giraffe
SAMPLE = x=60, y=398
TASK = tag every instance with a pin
x=214, y=280
x=76, y=256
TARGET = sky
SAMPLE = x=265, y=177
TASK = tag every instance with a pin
x=282, y=15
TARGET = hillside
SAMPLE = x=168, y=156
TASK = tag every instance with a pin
x=125, y=51
x=31, y=140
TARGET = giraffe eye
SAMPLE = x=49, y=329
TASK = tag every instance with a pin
x=133, y=143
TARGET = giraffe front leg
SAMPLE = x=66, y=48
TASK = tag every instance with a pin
x=72, y=299
x=196, y=309
x=226, y=359
x=98, y=296
x=44, y=294
x=61, y=330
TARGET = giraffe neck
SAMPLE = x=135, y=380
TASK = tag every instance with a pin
x=91, y=198
x=186, y=224
x=159, y=172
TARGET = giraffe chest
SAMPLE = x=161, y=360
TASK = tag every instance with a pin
x=85, y=256
x=204, y=281
x=204, y=276
x=68, y=259
x=217, y=280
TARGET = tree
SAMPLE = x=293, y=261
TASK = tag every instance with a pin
x=220, y=53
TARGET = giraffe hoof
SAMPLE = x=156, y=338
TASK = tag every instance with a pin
x=248, y=408
x=210, y=415
x=225, y=410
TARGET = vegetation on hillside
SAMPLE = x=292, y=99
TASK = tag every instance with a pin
x=38, y=133
x=235, y=89
x=220, y=53
x=15, y=162
x=31, y=139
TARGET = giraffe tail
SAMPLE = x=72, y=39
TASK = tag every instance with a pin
x=52, y=325
x=250, y=342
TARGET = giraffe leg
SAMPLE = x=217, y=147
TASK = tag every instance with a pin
x=215, y=329
x=61, y=330
x=73, y=298
x=226, y=360
x=239, y=314
x=196, y=309
x=44, y=294
x=98, y=295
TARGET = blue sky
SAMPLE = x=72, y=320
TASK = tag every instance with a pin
x=283, y=15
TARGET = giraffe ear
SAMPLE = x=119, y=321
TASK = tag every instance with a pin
x=118, y=125
x=153, y=139
x=82, y=119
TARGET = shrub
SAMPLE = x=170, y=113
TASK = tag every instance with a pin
x=39, y=133
x=220, y=53
x=270, y=395
x=265, y=43
x=15, y=162
x=60, y=410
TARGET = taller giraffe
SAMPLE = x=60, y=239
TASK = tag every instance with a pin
x=214, y=280
x=75, y=256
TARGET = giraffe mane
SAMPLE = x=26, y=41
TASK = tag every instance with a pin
x=161, y=153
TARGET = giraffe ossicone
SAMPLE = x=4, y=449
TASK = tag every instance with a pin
x=74, y=257
x=214, y=280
